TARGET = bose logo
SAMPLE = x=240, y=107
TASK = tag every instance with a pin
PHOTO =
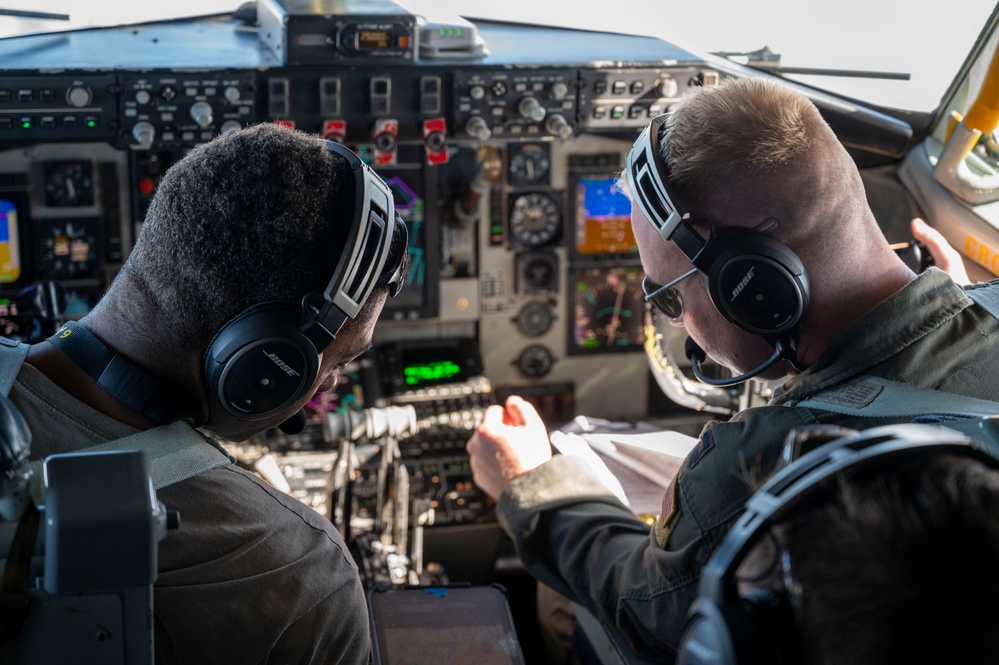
x=282, y=364
x=742, y=284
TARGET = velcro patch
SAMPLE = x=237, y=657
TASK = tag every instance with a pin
x=856, y=394
x=670, y=514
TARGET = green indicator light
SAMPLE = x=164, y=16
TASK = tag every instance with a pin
x=443, y=32
x=26, y=124
x=591, y=344
x=459, y=32
x=431, y=371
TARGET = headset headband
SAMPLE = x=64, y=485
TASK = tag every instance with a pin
x=811, y=475
x=646, y=174
x=365, y=262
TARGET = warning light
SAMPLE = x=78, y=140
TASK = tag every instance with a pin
x=146, y=186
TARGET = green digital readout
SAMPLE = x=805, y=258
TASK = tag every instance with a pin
x=433, y=371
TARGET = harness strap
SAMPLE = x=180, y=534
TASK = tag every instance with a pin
x=176, y=452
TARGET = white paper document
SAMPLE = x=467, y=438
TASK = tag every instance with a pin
x=637, y=466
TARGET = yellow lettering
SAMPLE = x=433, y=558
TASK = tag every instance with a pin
x=981, y=253
x=65, y=333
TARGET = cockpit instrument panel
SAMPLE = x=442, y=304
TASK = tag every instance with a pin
x=608, y=310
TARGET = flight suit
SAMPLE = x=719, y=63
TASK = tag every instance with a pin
x=573, y=534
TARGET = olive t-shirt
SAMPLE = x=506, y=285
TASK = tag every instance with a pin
x=250, y=576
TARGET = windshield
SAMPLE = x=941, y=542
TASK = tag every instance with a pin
x=929, y=42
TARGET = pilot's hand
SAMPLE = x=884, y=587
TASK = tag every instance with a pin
x=944, y=255
x=509, y=442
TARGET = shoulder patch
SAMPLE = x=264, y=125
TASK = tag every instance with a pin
x=670, y=513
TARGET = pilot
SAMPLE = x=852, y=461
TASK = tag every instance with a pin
x=247, y=236
x=743, y=190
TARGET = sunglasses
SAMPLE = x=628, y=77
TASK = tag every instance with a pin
x=665, y=298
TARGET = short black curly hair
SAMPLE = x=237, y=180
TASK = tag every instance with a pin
x=257, y=214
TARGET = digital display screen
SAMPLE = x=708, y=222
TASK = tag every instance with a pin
x=414, y=301
x=602, y=217
x=348, y=395
x=608, y=310
x=429, y=366
x=373, y=39
x=443, y=626
x=11, y=324
x=10, y=246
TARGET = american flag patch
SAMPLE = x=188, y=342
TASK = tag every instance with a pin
x=670, y=513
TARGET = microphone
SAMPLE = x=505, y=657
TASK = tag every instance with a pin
x=785, y=351
x=295, y=424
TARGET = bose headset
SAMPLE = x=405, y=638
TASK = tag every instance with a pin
x=726, y=628
x=755, y=281
x=267, y=356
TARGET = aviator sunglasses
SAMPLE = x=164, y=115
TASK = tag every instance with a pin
x=665, y=298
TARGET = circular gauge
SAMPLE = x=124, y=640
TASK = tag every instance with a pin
x=69, y=184
x=535, y=218
x=529, y=164
x=535, y=361
x=608, y=310
x=68, y=249
x=537, y=272
x=535, y=319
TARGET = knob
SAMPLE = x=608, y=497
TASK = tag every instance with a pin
x=529, y=107
x=142, y=97
x=79, y=96
x=144, y=133
x=229, y=125
x=477, y=128
x=201, y=113
x=557, y=125
x=231, y=94
x=477, y=92
x=559, y=90
x=668, y=87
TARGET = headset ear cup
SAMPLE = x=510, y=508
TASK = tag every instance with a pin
x=772, y=635
x=260, y=362
x=758, y=283
x=707, y=638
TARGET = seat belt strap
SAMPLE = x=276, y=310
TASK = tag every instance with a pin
x=176, y=452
